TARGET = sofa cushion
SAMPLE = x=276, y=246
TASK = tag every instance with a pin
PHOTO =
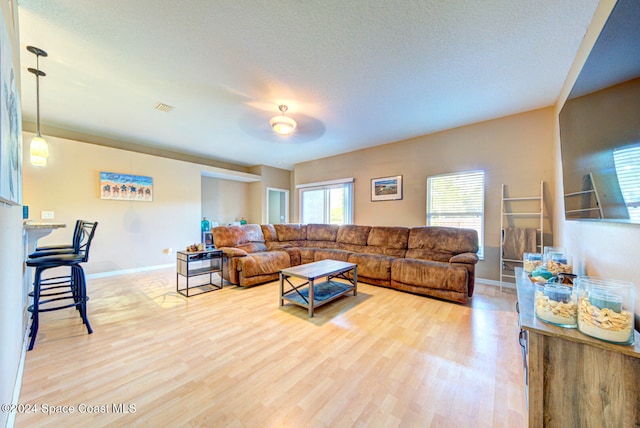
x=263, y=263
x=353, y=234
x=443, y=239
x=295, y=257
x=372, y=265
x=307, y=254
x=389, y=237
x=253, y=247
x=428, y=255
x=389, y=241
x=393, y=252
x=331, y=254
x=227, y=236
x=322, y=232
x=321, y=244
x=234, y=236
x=252, y=233
x=291, y=232
x=269, y=232
x=426, y=273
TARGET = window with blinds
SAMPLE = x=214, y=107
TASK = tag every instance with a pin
x=329, y=202
x=457, y=200
x=627, y=163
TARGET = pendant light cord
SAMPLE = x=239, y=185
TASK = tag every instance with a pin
x=38, y=95
x=38, y=53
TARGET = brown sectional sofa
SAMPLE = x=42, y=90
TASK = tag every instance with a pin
x=432, y=261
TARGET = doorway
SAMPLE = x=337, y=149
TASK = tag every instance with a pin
x=277, y=205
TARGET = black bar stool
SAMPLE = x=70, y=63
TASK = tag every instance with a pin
x=51, y=250
x=60, y=292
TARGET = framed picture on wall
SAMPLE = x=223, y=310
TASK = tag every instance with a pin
x=126, y=187
x=10, y=125
x=386, y=188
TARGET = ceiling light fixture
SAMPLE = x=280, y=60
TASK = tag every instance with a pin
x=282, y=124
x=38, y=149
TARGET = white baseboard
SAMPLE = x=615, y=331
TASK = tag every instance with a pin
x=17, y=387
x=125, y=271
x=494, y=283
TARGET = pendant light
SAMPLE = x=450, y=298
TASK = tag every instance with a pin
x=38, y=149
x=282, y=124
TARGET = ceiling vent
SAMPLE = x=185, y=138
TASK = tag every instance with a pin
x=164, y=107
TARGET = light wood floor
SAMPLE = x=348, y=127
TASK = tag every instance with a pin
x=234, y=358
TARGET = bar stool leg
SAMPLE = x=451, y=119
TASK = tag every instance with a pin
x=35, y=308
x=74, y=286
x=82, y=295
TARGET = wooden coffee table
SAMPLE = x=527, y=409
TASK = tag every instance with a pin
x=310, y=294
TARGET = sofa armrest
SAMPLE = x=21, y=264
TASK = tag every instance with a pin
x=233, y=252
x=469, y=258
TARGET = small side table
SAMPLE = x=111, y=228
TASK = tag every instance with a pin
x=196, y=263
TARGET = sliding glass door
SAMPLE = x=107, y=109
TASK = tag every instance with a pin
x=327, y=204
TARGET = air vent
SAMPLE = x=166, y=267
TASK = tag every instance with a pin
x=164, y=107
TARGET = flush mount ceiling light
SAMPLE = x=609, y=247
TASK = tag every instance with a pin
x=282, y=124
x=38, y=149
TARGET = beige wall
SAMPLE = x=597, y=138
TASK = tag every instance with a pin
x=275, y=178
x=225, y=201
x=255, y=195
x=130, y=234
x=516, y=150
x=12, y=253
x=608, y=250
x=271, y=177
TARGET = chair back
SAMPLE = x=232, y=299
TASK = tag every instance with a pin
x=77, y=230
x=82, y=242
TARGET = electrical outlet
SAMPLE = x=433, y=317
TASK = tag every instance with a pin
x=47, y=215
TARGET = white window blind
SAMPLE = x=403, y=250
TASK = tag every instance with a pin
x=457, y=200
x=627, y=163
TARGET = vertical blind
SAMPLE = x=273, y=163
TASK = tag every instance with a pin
x=457, y=200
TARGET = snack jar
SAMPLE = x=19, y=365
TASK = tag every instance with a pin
x=530, y=261
x=557, y=260
x=556, y=304
x=605, y=309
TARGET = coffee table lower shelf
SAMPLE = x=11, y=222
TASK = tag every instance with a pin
x=323, y=292
x=310, y=294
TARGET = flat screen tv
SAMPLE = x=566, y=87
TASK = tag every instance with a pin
x=600, y=125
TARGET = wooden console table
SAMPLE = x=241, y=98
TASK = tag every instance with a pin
x=573, y=380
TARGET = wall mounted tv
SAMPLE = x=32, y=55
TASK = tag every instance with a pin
x=600, y=125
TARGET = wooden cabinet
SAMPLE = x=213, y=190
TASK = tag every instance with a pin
x=573, y=380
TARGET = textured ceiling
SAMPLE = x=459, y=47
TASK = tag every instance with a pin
x=354, y=73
